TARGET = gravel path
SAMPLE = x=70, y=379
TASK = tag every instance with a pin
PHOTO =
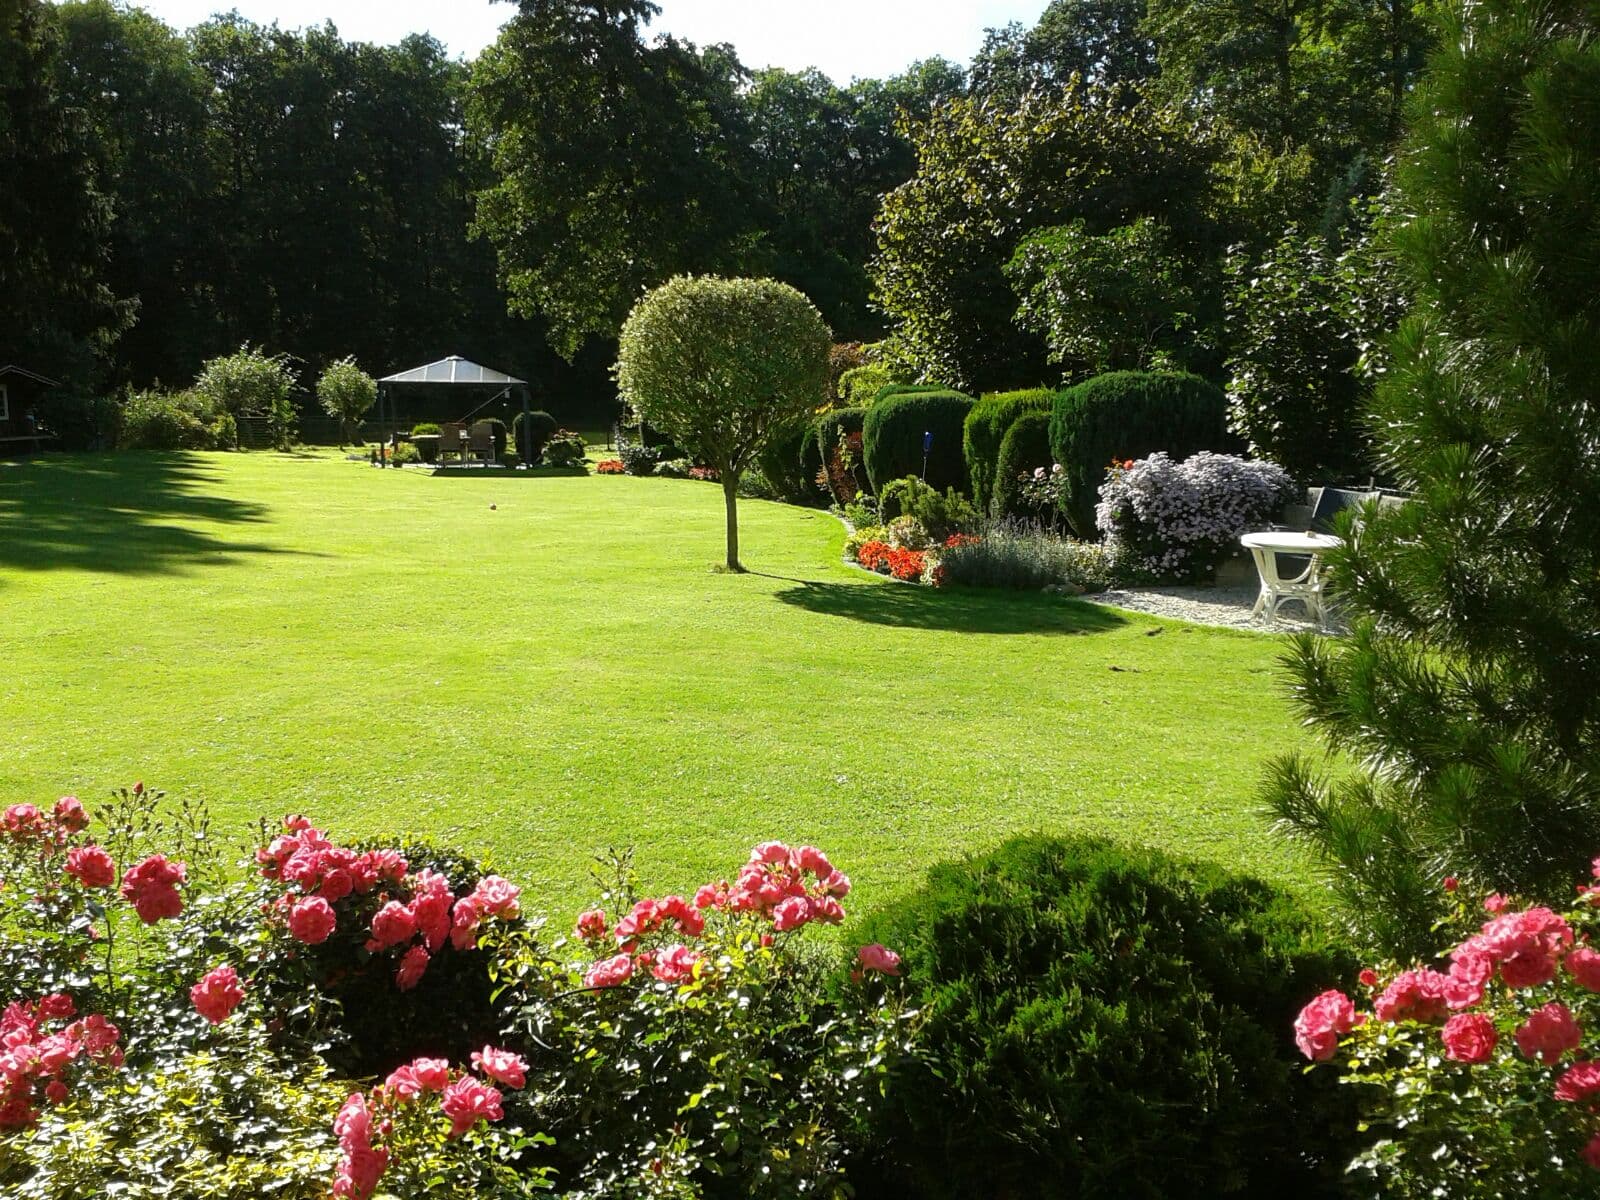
x=1228, y=606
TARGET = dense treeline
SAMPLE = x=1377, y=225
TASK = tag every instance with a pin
x=1095, y=191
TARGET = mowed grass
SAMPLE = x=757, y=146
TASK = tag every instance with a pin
x=541, y=668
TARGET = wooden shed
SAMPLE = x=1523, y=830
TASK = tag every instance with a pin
x=20, y=392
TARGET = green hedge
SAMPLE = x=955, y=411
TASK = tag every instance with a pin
x=783, y=460
x=906, y=389
x=893, y=431
x=985, y=430
x=1108, y=1021
x=1129, y=414
x=1025, y=446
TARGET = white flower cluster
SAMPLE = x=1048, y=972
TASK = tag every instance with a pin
x=1178, y=519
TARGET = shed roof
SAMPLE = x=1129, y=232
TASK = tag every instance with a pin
x=13, y=369
x=454, y=369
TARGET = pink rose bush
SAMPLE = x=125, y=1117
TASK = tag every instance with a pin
x=1485, y=1070
x=398, y=914
x=44, y=1052
x=394, y=1132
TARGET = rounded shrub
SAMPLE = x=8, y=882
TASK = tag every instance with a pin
x=1025, y=446
x=892, y=437
x=1107, y=1021
x=987, y=424
x=531, y=430
x=1129, y=414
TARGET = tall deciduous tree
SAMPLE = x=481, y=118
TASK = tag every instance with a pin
x=612, y=161
x=1466, y=695
x=719, y=365
x=989, y=174
x=57, y=311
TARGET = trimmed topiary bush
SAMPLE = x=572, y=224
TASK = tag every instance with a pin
x=531, y=430
x=987, y=424
x=1025, y=447
x=1129, y=414
x=892, y=437
x=1108, y=1021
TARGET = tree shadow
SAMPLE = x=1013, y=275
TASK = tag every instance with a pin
x=958, y=610
x=115, y=514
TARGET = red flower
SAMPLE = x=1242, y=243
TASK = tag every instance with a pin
x=217, y=995
x=151, y=887
x=608, y=466
x=311, y=920
x=91, y=866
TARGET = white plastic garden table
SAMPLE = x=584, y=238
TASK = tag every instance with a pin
x=1275, y=588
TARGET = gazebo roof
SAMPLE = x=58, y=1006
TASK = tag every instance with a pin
x=454, y=369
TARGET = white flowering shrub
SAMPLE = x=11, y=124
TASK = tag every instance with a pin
x=1175, y=521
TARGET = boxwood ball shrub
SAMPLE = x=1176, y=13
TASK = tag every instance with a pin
x=531, y=430
x=1129, y=414
x=987, y=424
x=892, y=438
x=1024, y=448
x=1108, y=1021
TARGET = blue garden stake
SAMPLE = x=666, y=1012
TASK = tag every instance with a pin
x=927, y=444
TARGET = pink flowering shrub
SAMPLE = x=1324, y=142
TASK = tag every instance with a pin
x=698, y=1038
x=1482, y=1072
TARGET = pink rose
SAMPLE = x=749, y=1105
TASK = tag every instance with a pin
x=217, y=994
x=23, y=821
x=402, y=1082
x=311, y=920
x=151, y=887
x=791, y=914
x=68, y=814
x=430, y=906
x=1583, y=964
x=56, y=1092
x=359, y=1172
x=591, y=924
x=57, y=1006
x=1317, y=1028
x=1495, y=903
x=391, y=925
x=1579, y=1081
x=498, y=897
x=91, y=866
x=1548, y=1033
x=1469, y=1038
x=353, y=1125
x=502, y=1066
x=466, y=1102
x=412, y=964
x=876, y=957
x=53, y=1053
x=1420, y=995
x=464, y=920
x=770, y=852
x=1368, y=977
x=609, y=972
x=432, y=1074
x=676, y=964
x=336, y=884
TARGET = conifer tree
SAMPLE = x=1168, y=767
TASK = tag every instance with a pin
x=1466, y=701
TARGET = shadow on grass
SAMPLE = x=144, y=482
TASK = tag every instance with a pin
x=115, y=513
x=961, y=610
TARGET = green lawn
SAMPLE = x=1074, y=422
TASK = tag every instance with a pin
x=564, y=672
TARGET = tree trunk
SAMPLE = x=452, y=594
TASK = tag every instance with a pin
x=730, y=496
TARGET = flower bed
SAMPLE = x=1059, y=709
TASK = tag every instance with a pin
x=890, y=554
x=609, y=466
x=149, y=994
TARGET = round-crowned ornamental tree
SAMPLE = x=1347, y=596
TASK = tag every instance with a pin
x=718, y=365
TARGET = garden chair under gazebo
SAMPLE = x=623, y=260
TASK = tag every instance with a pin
x=455, y=372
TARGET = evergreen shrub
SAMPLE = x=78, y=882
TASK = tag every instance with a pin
x=892, y=438
x=1129, y=414
x=1108, y=1021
